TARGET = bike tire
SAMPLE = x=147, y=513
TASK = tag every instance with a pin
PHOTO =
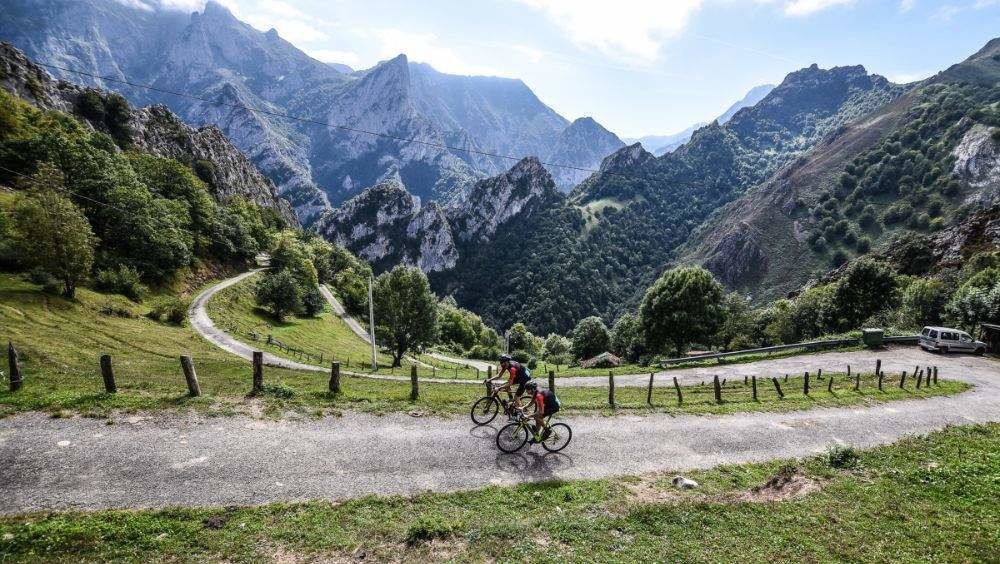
x=559, y=438
x=484, y=410
x=512, y=437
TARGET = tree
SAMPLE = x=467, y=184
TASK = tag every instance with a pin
x=924, y=301
x=683, y=305
x=736, y=329
x=280, y=292
x=556, y=348
x=626, y=340
x=52, y=233
x=405, y=311
x=867, y=288
x=313, y=301
x=523, y=340
x=590, y=338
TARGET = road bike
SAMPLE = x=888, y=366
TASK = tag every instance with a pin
x=487, y=407
x=513, y=436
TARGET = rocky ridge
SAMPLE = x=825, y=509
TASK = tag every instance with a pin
x=154, y=129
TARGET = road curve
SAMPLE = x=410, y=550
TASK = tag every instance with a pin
x=183, y=460
x=202, y=323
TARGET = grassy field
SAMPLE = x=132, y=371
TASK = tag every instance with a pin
x=927, y=499
x=60, y=342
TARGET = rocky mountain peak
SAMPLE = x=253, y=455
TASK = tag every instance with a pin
x=494, y=201
x=631, y=156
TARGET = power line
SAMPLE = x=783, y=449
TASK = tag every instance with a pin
x=65, y=189
x=315, y=122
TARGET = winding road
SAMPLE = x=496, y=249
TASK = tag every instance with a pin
x=168, y=460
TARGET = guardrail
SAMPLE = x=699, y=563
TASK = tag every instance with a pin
x=906, y=340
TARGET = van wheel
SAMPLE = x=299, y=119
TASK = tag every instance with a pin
x=944, y=350
x=980, y=351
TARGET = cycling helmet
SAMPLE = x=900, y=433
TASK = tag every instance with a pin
x=531, y=386
x=505, y=358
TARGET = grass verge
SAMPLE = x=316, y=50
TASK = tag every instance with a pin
x=60, y=342
x=929, y=499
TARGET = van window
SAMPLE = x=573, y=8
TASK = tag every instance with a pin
x=926, y=331
x=947, y=336
x=934, y=334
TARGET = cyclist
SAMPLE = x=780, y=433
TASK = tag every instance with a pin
x=546, y=405
x=516, y=374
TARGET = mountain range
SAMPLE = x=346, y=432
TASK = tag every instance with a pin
x=660, y=145
x=792, y=181
x=224, y=65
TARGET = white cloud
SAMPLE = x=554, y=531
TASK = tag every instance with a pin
x=906, y=5
x=424, y=48
x=631, y=29
x=807, y=7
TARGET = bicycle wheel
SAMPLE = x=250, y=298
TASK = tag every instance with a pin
x=512, y=437
x=485, y=410
x=558, y=438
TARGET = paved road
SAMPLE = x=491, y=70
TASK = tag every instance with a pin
x=173, y=460
x=339, y=310
x=202, y=323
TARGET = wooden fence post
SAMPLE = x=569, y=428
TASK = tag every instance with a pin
x=649, y=391
x=108, y=373
x=848, y=371
x=414, y=387
x=927, y=380
x=753, y=382
x=829, y=385
x=935, y=376
x=920, y=377
x=880, y=376
x=611, y=389
x=335, y=378
x=902, y=380
x=14, y=363
x=805, y=384
x=190, y=376
x=878, y=366
x=718, y=389
x=777, y=387
x=819, y=374
x=552, y=381
x=258, y=372
x=786, y=377
x=489, y=372
x=680, y=396
x=857, y=381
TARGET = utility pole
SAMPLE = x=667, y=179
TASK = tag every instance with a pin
x=506, y=341
x=371, y=321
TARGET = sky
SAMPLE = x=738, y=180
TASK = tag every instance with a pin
x=638, y=67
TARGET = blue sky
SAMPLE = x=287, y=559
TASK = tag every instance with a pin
x=637, y=66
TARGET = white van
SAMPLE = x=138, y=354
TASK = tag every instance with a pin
x=945, y=339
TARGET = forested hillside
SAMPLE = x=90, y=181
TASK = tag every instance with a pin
x=595, y=253
x=912, y=168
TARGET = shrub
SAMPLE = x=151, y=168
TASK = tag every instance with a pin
x=172, y=310
x=897, y=212
x=842, y=456
x=40, y=276
x=819, y=245
x=277, y=391
x=123, y=280
x=280, y=293
x=850, y=238
x=864, y=245
x=590, y=337
x=839, y=257
x=430, y=527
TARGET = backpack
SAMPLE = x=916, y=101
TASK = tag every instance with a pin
x=523, y=372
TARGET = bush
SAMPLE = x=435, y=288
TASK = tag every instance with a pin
x=280, y=293
x=900, y=211
x=172, y=310
x=484, y=352
x=864, y=245
x=839, y=257
x=40, y=276
x=819, y=245
x=123, y=280
x=430, y=527
x=842, y=456
x=590, y=337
